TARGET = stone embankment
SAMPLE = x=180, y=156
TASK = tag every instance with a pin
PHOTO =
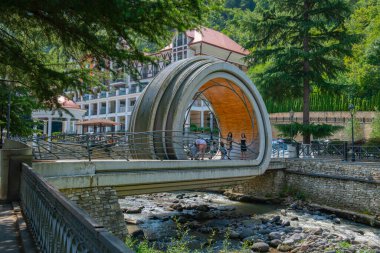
x=348, y=186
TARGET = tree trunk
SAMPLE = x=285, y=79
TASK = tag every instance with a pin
x=306, y=70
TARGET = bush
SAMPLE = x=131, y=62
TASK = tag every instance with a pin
x=318, y=131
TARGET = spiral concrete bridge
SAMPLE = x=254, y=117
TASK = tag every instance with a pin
x=236, y=103
x=161, y=108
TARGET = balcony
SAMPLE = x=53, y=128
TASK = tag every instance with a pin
x=103, y=94
x=122, y=109
x=130, y=108
x=86, y=97
x=103, y=110
x=133, y=89
x=111, y=93
x=122, y=92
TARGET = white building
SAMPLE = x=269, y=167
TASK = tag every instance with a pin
x=117, y=103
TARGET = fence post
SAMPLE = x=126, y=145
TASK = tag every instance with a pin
x=88, y=147
x=345, y=151
x=298, y=149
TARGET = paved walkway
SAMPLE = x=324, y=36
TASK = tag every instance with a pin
x=9, y=236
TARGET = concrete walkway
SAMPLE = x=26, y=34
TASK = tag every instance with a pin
x=9, y=235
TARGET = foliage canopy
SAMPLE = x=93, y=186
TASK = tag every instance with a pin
x=49, y=44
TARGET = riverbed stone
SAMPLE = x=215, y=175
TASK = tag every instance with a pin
x=274, y=243
x=133, y=210
x=318, y=231
x=274, y=235
x=284, y=247
x=260, y=247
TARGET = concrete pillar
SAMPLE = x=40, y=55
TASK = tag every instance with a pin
x=68, y=126
x=102, y=204
x=50, y=125
x=45, y=127
x=117, y=120
x=117, y=105
x=99, y=106
x=90, y=110
x=107, y=107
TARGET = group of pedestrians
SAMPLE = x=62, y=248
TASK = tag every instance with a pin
x=243, y=145
x=198, y=149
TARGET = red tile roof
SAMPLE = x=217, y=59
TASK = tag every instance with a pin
x=215, y=38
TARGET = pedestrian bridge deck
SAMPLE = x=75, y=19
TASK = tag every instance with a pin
x=148, y=176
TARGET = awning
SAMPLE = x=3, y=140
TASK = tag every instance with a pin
x=98, y=122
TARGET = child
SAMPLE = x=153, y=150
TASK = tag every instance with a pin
x=223, y=150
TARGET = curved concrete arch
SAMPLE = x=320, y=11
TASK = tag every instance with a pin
x=234, y=98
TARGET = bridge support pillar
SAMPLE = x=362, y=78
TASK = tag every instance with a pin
x=101, y=203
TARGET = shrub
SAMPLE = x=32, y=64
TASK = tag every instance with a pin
x=318, y=131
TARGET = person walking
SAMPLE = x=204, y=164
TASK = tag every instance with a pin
x=202, y=145
x=229, y=144
x=243, y=147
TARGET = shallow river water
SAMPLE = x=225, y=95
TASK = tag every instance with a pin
x=211, y=217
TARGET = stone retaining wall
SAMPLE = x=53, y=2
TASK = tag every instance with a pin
x=337, y=184
x=269, y=185
x=101, y=203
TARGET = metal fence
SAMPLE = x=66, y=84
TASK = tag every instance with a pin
x=126, y=146
x=58, y=225
x=340, y=150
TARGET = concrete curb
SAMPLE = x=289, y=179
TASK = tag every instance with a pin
x=26, y=239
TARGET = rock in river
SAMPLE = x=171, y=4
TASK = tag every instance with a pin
x=260, y=247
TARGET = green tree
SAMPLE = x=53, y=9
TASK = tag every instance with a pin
x=375, y=133
x=296, y=46
x=21, y=105
x=82, y=33
x=364, y=65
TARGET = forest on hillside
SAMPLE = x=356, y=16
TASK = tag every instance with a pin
x=356, y=81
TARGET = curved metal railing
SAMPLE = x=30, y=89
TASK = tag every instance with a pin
x=159, y=145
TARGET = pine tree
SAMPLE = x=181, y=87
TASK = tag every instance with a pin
x=296, y=46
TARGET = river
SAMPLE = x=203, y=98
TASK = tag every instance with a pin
x=210, y=217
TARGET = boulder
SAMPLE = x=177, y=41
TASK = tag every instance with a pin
x=260, y=247
x=274, y=235
x=133, y=210
x=274, y=243
x=284, y=247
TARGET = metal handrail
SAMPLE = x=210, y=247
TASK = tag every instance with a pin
x=340, y=150
x=57, y=224
x=126, y=146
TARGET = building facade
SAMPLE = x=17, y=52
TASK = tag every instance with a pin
x=117, y=103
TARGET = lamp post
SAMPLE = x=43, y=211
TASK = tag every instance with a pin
x=291, y=116
x=351, y=107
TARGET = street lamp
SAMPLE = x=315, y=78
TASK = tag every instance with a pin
x=351, y=107
x=291, y=116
